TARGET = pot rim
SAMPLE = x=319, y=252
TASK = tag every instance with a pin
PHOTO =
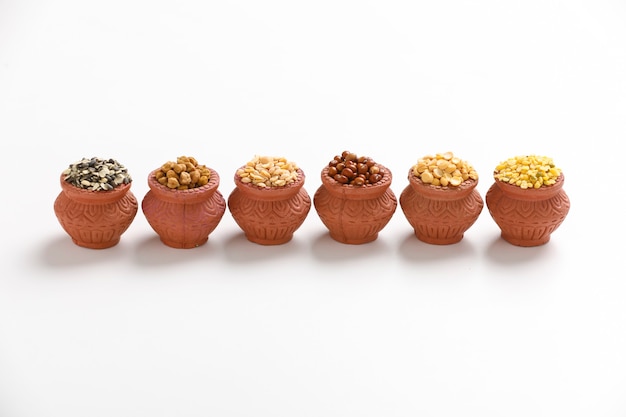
x=353, y=192
x=270, y=193
x=191, y=195
x=541, y=193
x=90, y=196
x=439, y=192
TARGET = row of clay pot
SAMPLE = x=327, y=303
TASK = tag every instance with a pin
x=270, y=216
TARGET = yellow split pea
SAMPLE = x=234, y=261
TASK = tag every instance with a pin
x=444, y=169
x=268, y=171
x=529, y=171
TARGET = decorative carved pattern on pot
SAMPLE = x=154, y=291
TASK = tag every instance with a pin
x=527, y=217
x=440, y=215
x=355, y=214
x=95, y=219
x=184, y=219
x=269, y=215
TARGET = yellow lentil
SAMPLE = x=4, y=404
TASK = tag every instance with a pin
x=444, y=169
x=528, y=171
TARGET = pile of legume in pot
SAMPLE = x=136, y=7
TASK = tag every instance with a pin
x=350, y=169
x=97, y=174
x=184, y=174
x=268, y=171
x=444, y=169
x=530, y=171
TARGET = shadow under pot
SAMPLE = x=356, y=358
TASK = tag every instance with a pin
x=183, y=219
x=440, y=215
x=355, y=214
x=269, y=215
x=527, y=217
x=95, y=219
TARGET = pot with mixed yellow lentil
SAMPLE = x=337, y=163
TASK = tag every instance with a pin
x=527, y=200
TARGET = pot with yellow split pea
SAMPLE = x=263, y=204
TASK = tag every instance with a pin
x=441, y=201
x=527, y=200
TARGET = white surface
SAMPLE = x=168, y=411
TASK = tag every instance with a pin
x=312, y=328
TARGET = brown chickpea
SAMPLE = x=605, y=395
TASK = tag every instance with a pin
x=183, y=174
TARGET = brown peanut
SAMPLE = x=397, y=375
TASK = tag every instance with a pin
x=348, y=168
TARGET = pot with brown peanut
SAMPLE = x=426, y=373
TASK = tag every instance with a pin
x=355, y=201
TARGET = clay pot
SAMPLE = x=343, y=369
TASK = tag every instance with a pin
x=440, y=215
x=183, y=218
x=355, y=214
x=269, y=215
x=95, y=219
x=527, y=217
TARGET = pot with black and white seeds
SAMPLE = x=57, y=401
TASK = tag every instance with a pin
x=95, y=206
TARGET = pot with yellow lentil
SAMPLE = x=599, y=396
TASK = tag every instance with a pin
x=441, y=201
x=95, y=206
x=269, y=202
x=183, y=205
x=527, y=200
x=355, y=201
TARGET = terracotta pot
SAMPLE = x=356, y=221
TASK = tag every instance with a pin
x=355, y=214
x=440, y=215
x=269, y=215
x=183, y=218
x=95, y=219
x=527, y=217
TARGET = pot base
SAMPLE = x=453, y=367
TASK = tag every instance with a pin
x=183, y=245
x=268, y=242
x=525, y=242
x=438, y=241
x=349, y=241
x=96, y=245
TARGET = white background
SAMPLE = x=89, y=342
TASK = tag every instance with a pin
x=396, y=327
